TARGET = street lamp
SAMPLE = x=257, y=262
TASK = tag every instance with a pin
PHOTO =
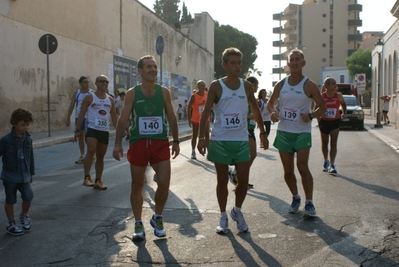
x=379, y=47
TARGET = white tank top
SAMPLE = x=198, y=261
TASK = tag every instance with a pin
x=99, y=113
x=292, y=102
x=79, y=99
x=385, y=106
x=263, y=111
x=231, y=114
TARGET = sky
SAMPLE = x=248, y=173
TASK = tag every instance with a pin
x=255, y=17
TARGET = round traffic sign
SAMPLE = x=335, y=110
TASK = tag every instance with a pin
x=52, y=44
x=159, y=45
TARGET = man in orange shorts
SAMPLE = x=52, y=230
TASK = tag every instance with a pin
x=195, y=107
x=150, y=106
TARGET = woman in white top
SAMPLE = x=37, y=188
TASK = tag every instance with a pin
x=262, y=101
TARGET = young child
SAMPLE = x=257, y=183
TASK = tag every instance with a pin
x=18, y=169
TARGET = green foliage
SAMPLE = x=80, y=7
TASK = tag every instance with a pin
x=168, y=10
x=186, y=17
x=227, y=36
x=360, y=62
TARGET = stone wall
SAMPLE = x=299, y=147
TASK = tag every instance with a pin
x=89, y=34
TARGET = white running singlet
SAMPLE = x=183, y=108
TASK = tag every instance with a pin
x=292, y=103
x=231, y=114
x=79, y=99
x=99, y=113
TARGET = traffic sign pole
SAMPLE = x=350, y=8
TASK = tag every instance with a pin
x=48, y=83
x=48, y=44
x=159, y=45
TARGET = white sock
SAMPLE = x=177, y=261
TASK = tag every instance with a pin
x=223, y=214
x=237, y=209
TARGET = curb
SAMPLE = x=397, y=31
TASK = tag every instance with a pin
x=390, y=142
x=66, y=139
x=51, y=142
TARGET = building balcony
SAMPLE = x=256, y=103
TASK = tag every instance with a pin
x=355, y=23
x=291, y=24
x=351, y=51
x=278, y=70
x=355, y=8
x=291, y=38
x=279, y=57
x=278, y=30
x=278, y=16
x=291, y=10
x=278, y=43
x=355, y=37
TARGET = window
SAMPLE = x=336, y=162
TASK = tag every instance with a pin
x=324, y=15
x=341, y=78
x=324, y=60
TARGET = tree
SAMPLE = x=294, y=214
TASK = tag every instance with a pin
x=186, y=17
x=360, y=62
x=168, y=10
x=227, y=36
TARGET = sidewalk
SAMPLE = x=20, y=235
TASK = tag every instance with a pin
x=42, y=139
x=388, y=134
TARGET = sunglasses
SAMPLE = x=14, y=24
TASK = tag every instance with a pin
x=103, y=81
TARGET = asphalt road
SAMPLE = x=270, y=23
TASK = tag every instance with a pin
x=357, y=223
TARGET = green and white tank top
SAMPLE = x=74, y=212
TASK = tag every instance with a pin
x=231, y=114
x=292, y=102
x=148, y=116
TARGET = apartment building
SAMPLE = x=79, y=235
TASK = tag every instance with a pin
x=326, y=30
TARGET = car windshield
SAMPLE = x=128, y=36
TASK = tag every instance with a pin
x=351, y=101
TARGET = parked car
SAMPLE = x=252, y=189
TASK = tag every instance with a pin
x=354, y=113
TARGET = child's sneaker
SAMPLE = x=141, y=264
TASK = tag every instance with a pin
x=157, y=224
x=88, y=181
x=13, y=229
x=25, y=221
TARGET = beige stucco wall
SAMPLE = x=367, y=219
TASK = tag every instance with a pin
x=89, y=34
x=389, y=82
